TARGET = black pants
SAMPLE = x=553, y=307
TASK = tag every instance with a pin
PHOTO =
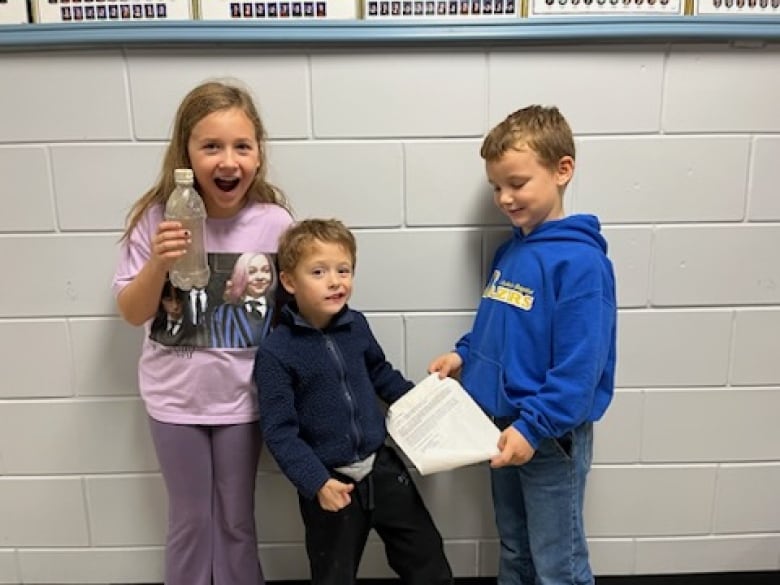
x=388, y=501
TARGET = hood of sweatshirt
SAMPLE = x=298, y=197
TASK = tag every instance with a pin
x=573, y=228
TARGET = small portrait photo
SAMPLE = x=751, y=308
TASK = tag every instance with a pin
x=125, y=11
x=510, y=7
x=149, y=10
x=407, y=8
x=235, y=10
x=66, y=15
x=113, y=12
x=272, y=10
x=441, y=7
x=384, y=8
x=248, y=10
x=464, y=7
x=322, y=9
x=170, y=326
x=395, y=8
x=78, y=13
x=89, y=12
x=102, y=13
x=308, y=9
x=260, y=9
x=499, y=6
x=138, y=11
x=297, y=9
x=284, y=10
x=475, y=7
x=248, y=304
x=487, y=7
x=430, y=7
x=418, y=8
x=453, y=7
x=162, y=11
x=373, y=9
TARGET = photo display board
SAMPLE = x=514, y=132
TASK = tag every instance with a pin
x=13, y=12
x=110, y=10
x=277, y=10
x=542, y=8
x=436, y=9
x=737, y=7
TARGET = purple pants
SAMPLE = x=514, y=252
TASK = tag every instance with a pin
x=209, y=473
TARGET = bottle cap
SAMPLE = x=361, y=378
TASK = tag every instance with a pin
x=182, y=175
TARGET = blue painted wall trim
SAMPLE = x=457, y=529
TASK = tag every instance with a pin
x=349, y=32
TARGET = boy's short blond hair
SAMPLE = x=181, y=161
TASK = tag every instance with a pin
x=297, y=241
x=544, y=130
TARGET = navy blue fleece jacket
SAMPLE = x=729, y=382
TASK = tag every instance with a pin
x=318, y=390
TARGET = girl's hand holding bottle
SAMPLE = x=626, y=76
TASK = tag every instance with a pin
x=170, y=243
x=140, y=299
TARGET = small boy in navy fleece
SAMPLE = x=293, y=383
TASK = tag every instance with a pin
x=318, y=374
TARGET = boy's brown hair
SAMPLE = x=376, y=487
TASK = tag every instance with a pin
x=541, y=129
x=299, y=238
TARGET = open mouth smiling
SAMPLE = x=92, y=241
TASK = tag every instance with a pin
x=226, y=184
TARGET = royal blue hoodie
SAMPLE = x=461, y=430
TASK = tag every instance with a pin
x=542, y=348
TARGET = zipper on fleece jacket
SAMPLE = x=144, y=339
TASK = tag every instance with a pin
x=349, y=398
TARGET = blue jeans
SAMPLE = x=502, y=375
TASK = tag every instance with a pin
x=538, y=509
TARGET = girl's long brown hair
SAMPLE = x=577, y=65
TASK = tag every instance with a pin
x=205, y=99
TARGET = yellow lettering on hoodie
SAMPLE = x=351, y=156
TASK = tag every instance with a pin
x=507, y=292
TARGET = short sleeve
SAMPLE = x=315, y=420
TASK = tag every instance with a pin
x=135, y=250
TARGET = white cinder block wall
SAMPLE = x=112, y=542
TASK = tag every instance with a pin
x=679, y=153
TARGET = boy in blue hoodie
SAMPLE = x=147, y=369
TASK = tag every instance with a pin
x=540, y=358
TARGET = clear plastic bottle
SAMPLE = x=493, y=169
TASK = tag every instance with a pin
x=185, y=206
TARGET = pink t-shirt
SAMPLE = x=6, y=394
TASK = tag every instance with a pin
x=197, y=369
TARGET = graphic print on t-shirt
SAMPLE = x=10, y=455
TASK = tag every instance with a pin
x=235, y=310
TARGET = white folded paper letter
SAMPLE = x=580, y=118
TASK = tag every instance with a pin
x=439, y=427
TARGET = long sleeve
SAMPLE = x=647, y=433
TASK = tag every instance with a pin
x=583, y=327
x=388, y=382
x=463, y=345
x=281, y=431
